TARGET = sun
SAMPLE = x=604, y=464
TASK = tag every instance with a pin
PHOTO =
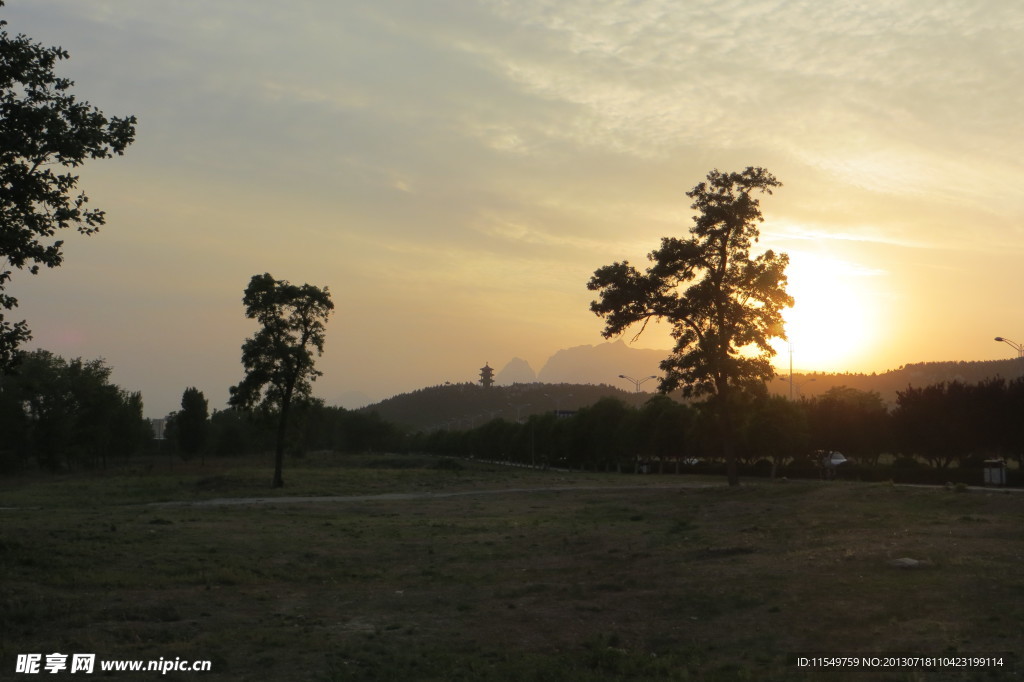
x=832, y=325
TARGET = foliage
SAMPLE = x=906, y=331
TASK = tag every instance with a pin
x=608, y=435
x=192, y=423
x=45, y=130
x=335, y=428
x=600, y=434
x=233, y=433
x=65, y=414
x=664, y=428
x=945, y=425
x=313, y=427
x=778, y=430
x=854, y=422
x=723, y=306
x=279, y=358
x=953, y=422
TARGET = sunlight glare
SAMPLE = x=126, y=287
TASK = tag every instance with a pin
x=830, y=325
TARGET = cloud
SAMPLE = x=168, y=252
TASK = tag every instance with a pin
x=464, y=160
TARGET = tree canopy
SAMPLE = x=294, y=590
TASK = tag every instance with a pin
x=44, y=131
x=279, y=359
x=65, y=414
x=723, y=306
x=192, y=422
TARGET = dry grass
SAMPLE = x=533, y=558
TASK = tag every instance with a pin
x=694, y=584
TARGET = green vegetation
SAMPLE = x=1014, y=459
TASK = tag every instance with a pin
x=598, y=583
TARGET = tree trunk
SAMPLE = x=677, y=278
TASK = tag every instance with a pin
x=729, y=450
x=282, y=430
x=725, y=416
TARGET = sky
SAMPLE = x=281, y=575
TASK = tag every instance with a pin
x=454, y=171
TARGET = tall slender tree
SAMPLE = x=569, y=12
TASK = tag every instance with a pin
x=723, y=305
x=193, y=422
x=44, y=131
x=279, y=359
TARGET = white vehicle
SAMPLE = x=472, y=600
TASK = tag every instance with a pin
x=830, y=462
x=833, y=459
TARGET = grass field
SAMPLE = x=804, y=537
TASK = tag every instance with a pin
x=600, y=583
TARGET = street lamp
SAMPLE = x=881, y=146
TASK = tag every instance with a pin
x=1012, y=344
x=796, y=386
x=558, y=401
x=802, y=384
x=519, y=419
x=637, y=382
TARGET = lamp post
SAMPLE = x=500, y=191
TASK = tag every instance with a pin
x=1012, y=344
x=519, y=408
x=802, y=384
x=558, y=401
x=637, y=382
x=791, y=371
x=796, y=386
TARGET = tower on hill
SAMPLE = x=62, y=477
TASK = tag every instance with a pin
x=486, y=375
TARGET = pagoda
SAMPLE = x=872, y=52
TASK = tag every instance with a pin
x=486, y=375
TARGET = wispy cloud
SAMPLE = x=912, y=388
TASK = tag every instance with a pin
x=491, y=151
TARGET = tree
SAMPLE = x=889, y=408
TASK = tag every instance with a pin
x=43, y=129
x=278, y=360
x=723, y=306
x=67, y=414
x=663, y=429
x=598, y=437
x=778, y=430
x=192, y=423
x=852, y=421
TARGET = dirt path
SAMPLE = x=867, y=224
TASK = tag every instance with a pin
x=229, y=501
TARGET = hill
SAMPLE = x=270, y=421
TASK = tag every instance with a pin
x=462, y=406
x=809, y=385
x=605, y=362
x=466, y=405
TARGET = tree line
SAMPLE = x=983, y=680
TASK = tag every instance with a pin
x=934, y=434
x=61, y=415
x=58, y=415
x=313, y=427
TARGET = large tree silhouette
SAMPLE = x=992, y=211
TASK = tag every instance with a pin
x=44, y=131
x=723, y=306
x=278, y=359
x=192, y=422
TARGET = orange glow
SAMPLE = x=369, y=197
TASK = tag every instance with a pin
x=831, y=326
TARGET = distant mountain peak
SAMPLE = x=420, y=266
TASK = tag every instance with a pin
x=601, y=364
x=516, y=371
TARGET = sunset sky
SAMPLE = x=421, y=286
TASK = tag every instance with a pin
x=455, y=171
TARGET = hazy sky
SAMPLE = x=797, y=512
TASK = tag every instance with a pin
x=456, y=170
